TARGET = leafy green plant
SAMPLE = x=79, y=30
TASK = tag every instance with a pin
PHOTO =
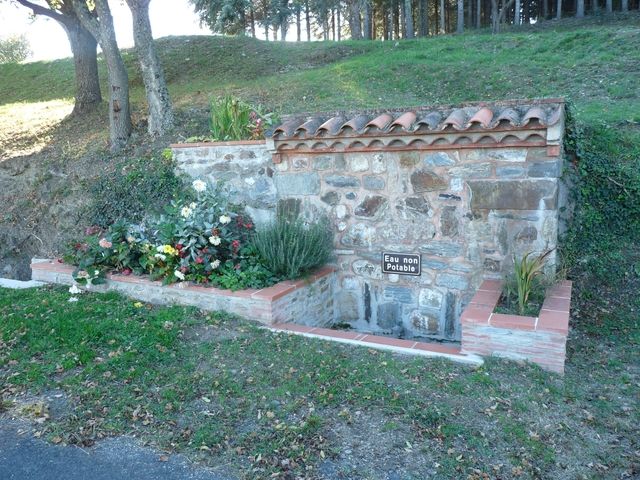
x=290, y=247
x=234, y=119
x=526, y=272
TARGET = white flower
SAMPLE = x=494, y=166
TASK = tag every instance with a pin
x=97, y=272
x=186, y=212
x=199, y=185
x=250, y=181
x=73, y=299
x=160, y=248
x=193, y=205
x=225, y=219
x=214, y=240
x=74, y=290
x=160, y=256
x=179, y=274
x=215, y=264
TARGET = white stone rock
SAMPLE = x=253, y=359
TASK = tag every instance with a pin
x=341, y=211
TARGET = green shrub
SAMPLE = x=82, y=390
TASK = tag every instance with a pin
x=602, y=238
x=234, y=119
x=291, y=248
x=133, y=189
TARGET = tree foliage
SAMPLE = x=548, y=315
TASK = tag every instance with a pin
x=14, y=49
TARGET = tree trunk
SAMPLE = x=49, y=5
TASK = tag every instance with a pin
x=307, y=16
x=367, y=21
x=559, y=10
x=478, y=13
x=392, y=20
x=609, y=6
x=298, y=26
x=460, y=25
x=338, y=23
x=87, y=86
x=516, y=13
x=423, y=9
x=160, y=111
x=408, y=19
x=354, y=20
x=102, y=29
x=624, y=6
x=442, y=25
x=83, y=46
x=580, y=8
x=252, y=18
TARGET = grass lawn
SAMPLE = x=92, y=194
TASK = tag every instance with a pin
x=254, y=403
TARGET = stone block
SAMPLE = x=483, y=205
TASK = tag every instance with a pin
x=414, y=207
x=477, y=170
x=514, y=194
x=341, y=211
x=430, y=264
x=440, y=159
x=358, y=162
x=389, y=315
x=371, y=207
x=510, y=171
x=297, y=184
x=549, y=169
x=496, y=155
x=358, y=235
x=322, y=163
x=331, y=198
x=409, y=159
x=450, y=280
x=426, y=181
x=449, y=222
x=342, y=181
x=399, y=294
x=378, y=164
x=430, y=298
x=423, y=323
x=367, y=269
x=371, y=182
x=442, y=249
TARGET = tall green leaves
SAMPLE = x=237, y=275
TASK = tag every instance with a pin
x=526, y=270
x=290, y=248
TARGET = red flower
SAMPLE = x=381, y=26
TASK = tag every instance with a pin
x=199, y=260
x=179, y=246
x=184, y=269
x=235, y=245
x=126, y=271
x=248, y=225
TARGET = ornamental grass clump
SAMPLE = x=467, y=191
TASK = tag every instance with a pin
x=291, y=248
x=233, y=119
x=524, y=290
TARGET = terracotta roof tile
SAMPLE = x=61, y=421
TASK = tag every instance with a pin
x=476, y=117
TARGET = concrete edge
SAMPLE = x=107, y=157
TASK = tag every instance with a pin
x=20, y=284
x=472, y=360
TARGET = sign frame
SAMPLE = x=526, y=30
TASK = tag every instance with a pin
x=403, y=257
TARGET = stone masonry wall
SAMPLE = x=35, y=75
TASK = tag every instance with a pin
x=467, y=211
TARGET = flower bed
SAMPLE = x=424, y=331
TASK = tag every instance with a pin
x=541, y=340
x=308, y=300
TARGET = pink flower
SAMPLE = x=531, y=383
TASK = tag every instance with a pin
x=104, y=243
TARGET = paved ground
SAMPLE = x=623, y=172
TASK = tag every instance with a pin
x=23, y=457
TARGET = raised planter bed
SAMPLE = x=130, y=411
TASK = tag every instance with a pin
x=540, y=340
x=308, y=300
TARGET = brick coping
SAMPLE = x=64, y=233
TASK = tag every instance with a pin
x=553, y=317
x=234, y=143
x=410, y=347
x=269, y=294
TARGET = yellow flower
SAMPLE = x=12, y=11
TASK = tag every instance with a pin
x=169, y=250
x=138, y=305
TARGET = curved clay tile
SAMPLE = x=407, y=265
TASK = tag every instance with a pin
x=331, y=126
x=319, y=146
x=431, y=120
x=510, y=139
x=380, y=122
x=356, y=124
x=405, y=121
x=287, y=129
x=554, y=116
x=509, y=115
x=310, y=127
x=456, y=119
x=535, y=138
x=396, y=144
x=534, y=113
x=482, y=117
